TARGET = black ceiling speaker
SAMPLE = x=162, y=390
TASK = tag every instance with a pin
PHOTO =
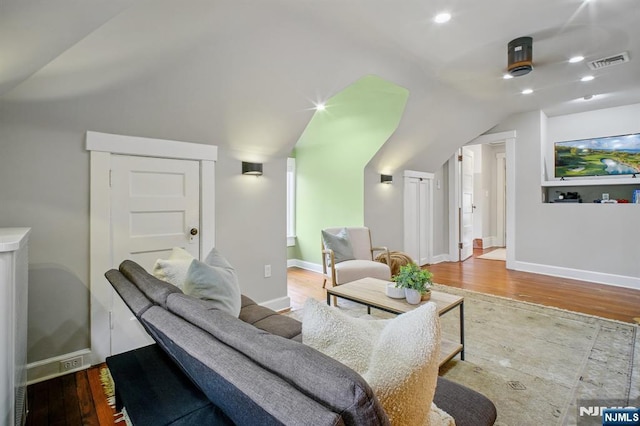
x=520, y=56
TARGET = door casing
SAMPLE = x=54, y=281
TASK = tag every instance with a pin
x=101, y=147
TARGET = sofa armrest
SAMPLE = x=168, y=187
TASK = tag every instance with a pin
x=466, y=406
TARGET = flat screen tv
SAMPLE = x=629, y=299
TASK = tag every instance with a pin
x=608, y=156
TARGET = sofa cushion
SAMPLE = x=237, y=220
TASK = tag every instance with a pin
x=329, y=382
x=356, y=269
x=247, y=393
x=215, y=283
x=398, y=357
x=156, y=290
x=468, y=407
x=174, y=269
x=268, y=320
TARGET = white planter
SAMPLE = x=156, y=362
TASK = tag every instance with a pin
x=413, y=296
x=394, y=292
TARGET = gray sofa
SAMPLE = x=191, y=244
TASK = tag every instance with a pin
x=211, y=368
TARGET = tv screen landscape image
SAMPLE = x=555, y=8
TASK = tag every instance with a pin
x=608, y=156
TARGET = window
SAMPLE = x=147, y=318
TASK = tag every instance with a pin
x=291, y=202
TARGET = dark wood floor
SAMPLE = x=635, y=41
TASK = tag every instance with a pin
x=72, y=400
x=78, y=398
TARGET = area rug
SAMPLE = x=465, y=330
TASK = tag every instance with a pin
x=110, y=393
x=497, y=254
x=537, y=364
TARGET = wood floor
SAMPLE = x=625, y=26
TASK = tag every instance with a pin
x=492, y=277
x=78, y=398
x=72, y=400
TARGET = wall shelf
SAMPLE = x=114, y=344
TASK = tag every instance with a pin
x=591, y=190
x=591, y=182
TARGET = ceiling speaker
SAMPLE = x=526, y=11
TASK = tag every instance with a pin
x=520, y=56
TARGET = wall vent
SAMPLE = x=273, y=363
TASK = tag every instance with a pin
x=620, y=58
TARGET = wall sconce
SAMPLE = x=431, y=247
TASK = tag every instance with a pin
x=254, y=169
x=388, y=179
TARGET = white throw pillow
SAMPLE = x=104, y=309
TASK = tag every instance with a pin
x=398, y=357
x=174, y=270
x=215, y=281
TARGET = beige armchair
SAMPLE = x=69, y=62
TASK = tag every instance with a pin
x=347, y=255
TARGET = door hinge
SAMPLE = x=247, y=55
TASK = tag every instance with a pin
x=111, y=320
x=460, y=246
x=459, y=157
x=110, y=171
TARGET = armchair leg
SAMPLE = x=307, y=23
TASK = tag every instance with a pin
x=324, y=283
x=335, y=301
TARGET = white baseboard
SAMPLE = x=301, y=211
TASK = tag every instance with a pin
x=278, y=304
x=440, y=258
x=579, y=274
x=488, y=242
x=314, y=267
x=49, y=368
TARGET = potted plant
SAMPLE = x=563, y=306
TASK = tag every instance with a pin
x=415, y=281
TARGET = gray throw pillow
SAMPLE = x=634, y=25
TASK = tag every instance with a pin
x=340, y=245
x=215, y=281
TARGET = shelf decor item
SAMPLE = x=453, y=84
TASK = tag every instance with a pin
x=415, y=281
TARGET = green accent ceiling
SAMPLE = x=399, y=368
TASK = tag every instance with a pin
x=331, y=156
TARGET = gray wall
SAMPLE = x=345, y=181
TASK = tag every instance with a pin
x=598, y=240
x=384, y=210
x=44, y=183
x=587, y=237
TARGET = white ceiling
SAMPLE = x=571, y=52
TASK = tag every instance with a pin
x=290, y=53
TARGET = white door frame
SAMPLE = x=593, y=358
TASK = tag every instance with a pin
x=465, y=154
x=500, y=198
x=101, y=147
x=509, y=137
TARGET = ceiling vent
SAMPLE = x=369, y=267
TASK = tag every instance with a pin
x=620, y=58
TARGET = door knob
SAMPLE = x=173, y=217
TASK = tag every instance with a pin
x=194, y=231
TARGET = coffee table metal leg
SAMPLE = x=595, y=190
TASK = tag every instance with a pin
x=328, y=299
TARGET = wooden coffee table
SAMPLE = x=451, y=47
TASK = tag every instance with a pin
x=371, y=292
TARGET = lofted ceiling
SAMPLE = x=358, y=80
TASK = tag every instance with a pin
x=262, y=65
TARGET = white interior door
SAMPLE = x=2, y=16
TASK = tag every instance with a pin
x=466, y=205
x=155, y=206
x=425, y=233
x=418, y=216
x=412, y=218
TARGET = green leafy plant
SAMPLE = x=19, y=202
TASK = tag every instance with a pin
x=413, y=277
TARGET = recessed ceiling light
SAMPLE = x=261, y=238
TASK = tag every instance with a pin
x=576, y=59
x=587, y=78
x=527, y=91
x=320, y=107
x=507, y=76
x=441, y=18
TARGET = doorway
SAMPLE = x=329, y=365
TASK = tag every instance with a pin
x=112, y=157
x=492, y=197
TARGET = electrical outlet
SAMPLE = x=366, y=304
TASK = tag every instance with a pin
x=71, y=363
x=267, y=271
